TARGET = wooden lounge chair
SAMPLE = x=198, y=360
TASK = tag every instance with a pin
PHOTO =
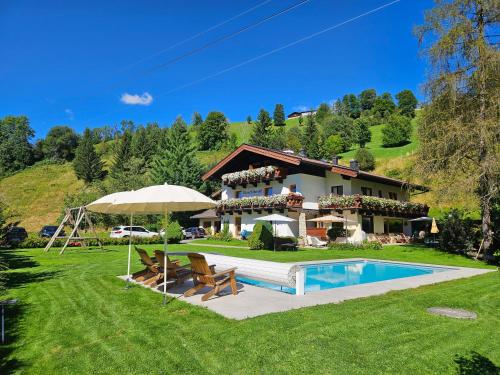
x=174, y=270
x=204, y=275
x=153, y=273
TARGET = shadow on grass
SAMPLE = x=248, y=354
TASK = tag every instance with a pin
x=13, y=315
x=15, y=260
x=475, y=364
x=14, y=280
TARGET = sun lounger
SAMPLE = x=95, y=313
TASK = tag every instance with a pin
x=316, y=242
x=153, y=273
x=174, y=270
x=204, y=275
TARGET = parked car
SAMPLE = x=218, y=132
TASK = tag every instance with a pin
x=195, y=232
x=134, y=231
x=188, y=235
x=15, y=235
x=49, y=230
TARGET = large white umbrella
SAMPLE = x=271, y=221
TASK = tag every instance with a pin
x=273, y=219
x=108, y=205
x=163, y=199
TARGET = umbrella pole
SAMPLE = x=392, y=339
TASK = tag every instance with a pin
x=129, y=251
x=274, y=238
x=165, y=273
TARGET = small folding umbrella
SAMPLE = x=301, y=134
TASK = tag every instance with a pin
x=434, y=228
x=334, y=219
x=273, y=219
x=163, y=199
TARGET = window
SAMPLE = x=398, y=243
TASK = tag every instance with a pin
x=367, y=224
x=380, y=195
x=238, y=194
x=268, y=191
x=293, y=188
x=338, y=190
x=366, y=191
x=393, y=195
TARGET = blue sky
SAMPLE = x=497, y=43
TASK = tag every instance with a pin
x=73, y=62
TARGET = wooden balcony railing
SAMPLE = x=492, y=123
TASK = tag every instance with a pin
x=373, y=205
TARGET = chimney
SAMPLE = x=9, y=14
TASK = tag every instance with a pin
x=353, y=163
x=335, y=160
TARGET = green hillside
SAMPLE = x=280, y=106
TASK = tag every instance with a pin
x=37, y=193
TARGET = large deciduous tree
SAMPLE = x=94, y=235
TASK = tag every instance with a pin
x=87, y=163
x=351, y=105
x=459, y=130
x=384, y=105
x=60, y=143
x=212, y=133
x=367, y=99
x=16, y=151
x=362, y=132
x=407, y=103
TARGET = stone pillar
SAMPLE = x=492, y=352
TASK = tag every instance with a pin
x=302, y=227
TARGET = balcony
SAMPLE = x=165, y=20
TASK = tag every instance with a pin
x=373, y=205
x=254, y=176
x=260, y=203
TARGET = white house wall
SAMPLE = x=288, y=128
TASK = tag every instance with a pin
x=356, y=185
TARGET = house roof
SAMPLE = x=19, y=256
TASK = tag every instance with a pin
x=207, y=214
x=303, y=161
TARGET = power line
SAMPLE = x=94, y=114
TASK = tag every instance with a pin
x=273, y=51
x=228, y=36
x=197, y=35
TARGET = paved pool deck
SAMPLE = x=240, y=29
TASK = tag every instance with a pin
x=253, y=301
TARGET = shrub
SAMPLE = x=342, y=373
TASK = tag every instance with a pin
x=174, y=232
x=365, y=159
x=397, y=132
x=337, y=230
x=457, y=232
x=261, y=237
x=223, y=235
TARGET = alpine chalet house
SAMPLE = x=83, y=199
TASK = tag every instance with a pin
x=257, y=181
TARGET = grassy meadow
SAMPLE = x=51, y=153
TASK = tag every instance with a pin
x=76, y=317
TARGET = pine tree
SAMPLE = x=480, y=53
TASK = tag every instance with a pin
x=122, y=155
x=279, y=115
x=261, y=134
x=212, y=134
x=177, y=163
x=87, y=163
x=197, y=120
x=310, y=139
x=142, y=149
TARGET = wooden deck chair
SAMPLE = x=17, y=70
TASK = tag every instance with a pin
x=153, y=273
x=174, y=269
x=204, y=275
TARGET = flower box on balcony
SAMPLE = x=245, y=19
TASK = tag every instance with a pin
x=375, y=205
x=279, y=202
x=254, y=176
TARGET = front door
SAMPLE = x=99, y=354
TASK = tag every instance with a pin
x=237, y=224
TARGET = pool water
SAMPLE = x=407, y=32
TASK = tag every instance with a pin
x=340, y=274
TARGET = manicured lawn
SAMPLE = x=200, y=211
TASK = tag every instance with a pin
x=233, y=242
x=75, y=317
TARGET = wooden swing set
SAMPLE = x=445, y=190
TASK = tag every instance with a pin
x=74, y=217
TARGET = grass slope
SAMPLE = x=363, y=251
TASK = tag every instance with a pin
x=36, y=194
x=75, y=317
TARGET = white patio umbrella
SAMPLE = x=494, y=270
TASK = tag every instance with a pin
x=273, y=219
x=108, y=205
x=163, y=199
x=334, y=219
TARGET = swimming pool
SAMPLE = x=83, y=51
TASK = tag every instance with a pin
x=340, y=274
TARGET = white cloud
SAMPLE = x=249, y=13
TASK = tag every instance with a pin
x=301, y=108
x=144, y=99
x=70, y=113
